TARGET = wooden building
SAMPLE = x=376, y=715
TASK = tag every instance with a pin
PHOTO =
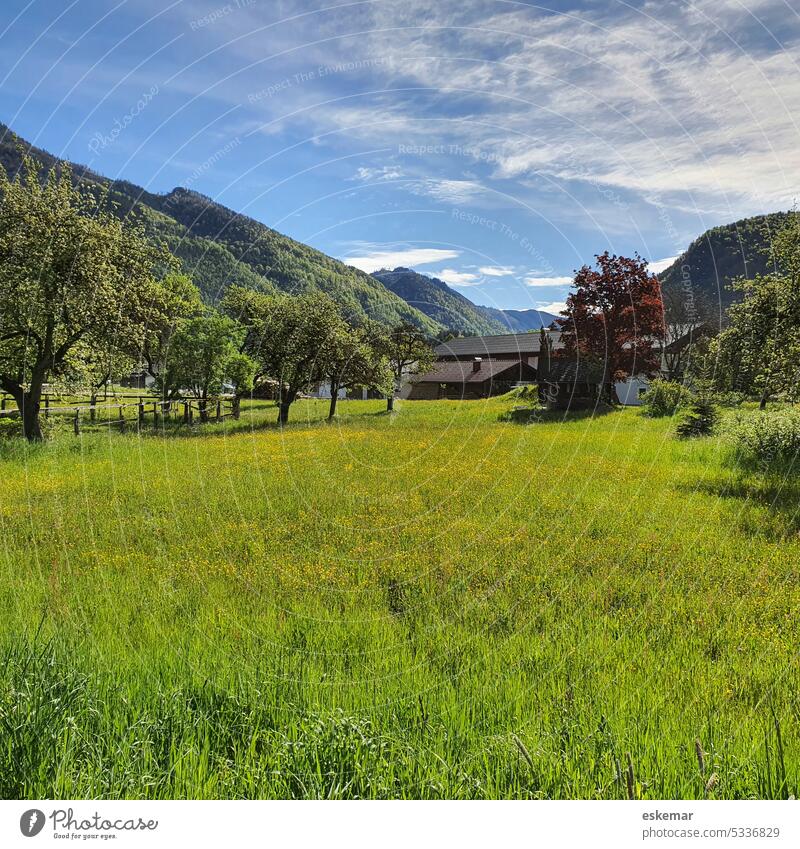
x=570, y=384
x=475, y=378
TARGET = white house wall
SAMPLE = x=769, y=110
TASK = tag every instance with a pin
x=628, y=391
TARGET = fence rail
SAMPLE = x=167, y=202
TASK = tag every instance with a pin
x=158, y=411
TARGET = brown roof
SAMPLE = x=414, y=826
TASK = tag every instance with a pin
x=515, y=344
x=462, y=372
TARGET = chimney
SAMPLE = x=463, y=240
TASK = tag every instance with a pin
x=476, y=363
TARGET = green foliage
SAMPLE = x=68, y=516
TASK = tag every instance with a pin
x=759, y=352
x=665, y=398
x=699, y=418
x=71, y=273
x=769, y=439
x=203, y=354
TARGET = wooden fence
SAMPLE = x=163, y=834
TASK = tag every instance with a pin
x=144, y=408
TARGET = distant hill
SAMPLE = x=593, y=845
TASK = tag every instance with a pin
x=720, y=255
x=443, y=304
x=219, y=247
x=520, y=321
x=439, y=302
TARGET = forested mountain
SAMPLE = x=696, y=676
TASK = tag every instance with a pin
x=443, y=304
x=218, y=247
x=520, y=321
x=439, y=302
x=721, y=254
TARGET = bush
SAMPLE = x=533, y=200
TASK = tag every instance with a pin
x=665, y=397
x=729, y=399
x=768, y=438
x=699, y=419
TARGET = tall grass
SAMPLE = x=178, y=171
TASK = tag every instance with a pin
x=431, y=604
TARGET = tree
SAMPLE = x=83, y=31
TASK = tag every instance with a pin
x=290, y=339
x=760, y=349
x=203, y=354
x=70, y=273
x=178, y=299
x=614, y=317
x=408, y=353
x=352, y=360
x=253, y=310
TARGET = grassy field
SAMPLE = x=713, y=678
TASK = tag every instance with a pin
x=430, y=604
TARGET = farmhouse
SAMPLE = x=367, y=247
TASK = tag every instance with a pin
x=482, y=366
x=476, y=378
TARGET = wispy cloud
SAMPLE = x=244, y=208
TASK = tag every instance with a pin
x=378, y=175
x=547, y=282
x=496, y=270
x=408, y=257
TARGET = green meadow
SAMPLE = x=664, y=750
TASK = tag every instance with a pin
x=432, y=604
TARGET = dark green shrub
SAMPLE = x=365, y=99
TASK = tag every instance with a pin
x=699, y=419
x=665, y=398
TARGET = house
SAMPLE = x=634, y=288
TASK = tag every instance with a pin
x=480, y=366
x=475, y=378
x=570, y=384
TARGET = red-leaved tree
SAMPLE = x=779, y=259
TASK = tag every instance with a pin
x=615, y=317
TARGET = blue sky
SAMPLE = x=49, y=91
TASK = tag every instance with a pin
x=498, y=145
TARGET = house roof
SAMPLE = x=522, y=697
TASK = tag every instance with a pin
x=486, y=346
x=463, y=372
x=574, y=371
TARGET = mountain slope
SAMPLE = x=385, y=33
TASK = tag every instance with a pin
x=520, y=321
x=439, y=302
x=706, y=269
x=218, y=247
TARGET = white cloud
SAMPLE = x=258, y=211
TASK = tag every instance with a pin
x=547, y=282
x=457, y=278
x=378, y=175
x=658, y=265
x=457, y=192
x=496, y=270
x=555, y=308
x=408, y=257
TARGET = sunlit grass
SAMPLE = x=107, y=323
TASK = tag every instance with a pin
x=430, y=604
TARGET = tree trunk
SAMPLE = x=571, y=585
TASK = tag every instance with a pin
x=29, y=405
x=390, y=403
x=202, y=406
x=762, y=404
x=334, y=397
x=283, y=411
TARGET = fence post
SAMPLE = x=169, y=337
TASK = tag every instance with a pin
x=77, y=423
x=141, y=412
x=185, y=413
x=219, y=410
x=3, y=403
x=46, y=406
x=121, y=419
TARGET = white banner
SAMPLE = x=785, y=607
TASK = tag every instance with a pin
x=410, y=825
